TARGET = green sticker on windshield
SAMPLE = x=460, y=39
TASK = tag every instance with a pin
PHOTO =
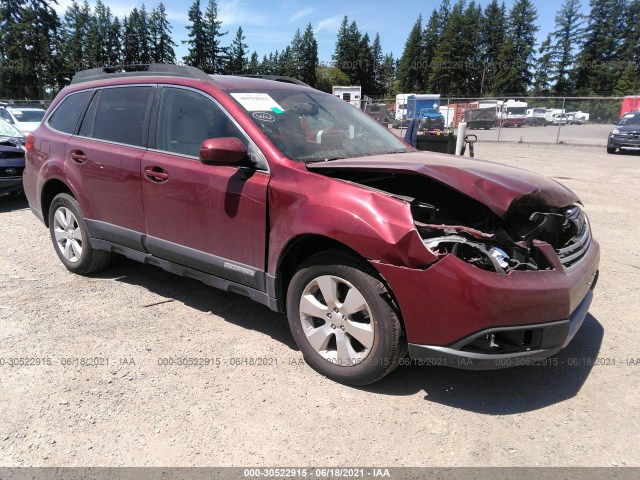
x=277, y=110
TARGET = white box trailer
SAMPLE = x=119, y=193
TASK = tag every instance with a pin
x=401, y=109
x=351, y=94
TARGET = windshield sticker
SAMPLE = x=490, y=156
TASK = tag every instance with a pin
x=258, y=102
x=264, y=117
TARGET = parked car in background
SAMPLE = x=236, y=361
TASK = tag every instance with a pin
x=11, y=158
x=626, y=134
x=294, y=198
x=536, y=117
x=560, y=119
x=25, y=120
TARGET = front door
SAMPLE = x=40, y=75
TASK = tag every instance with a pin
x=210, y=218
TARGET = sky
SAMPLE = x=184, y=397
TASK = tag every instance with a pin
x=269, y=25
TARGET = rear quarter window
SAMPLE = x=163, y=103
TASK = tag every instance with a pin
x=66, y=115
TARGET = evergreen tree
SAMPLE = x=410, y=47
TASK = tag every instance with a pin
x=430, y=41
x=130, y=50
x=364, y=65
x=74, y=33
x=97, y=48
x=349, y=51
x=216, y=55
x=493, y=33
x=30, y=43
x=516, y=57
x=629, y=82
x=457, y=67
x=237, y=54
x=544, y=68
x=198, y=40
x=308, y=57
x=160, y=35
x=563, y=43
x=254, y=64
x=410, y=75
x=378, y=65
x=115, y=43
x=602, y=51
x=388, y=75
x=295, y=55
x=144, y=38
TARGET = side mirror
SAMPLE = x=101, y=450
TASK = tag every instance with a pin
x=222, y=151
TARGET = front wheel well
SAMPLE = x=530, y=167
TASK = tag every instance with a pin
x=49, y=192
x=305, y=246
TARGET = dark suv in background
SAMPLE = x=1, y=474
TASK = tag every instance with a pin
x=294, y=198
x=626, y=134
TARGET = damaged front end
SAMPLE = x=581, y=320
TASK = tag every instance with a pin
x=450, y=222
x=505, y=244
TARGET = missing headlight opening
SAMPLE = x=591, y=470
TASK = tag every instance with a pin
x=502, y=245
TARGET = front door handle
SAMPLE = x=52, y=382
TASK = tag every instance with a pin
x=155, y=174
x=78, y=156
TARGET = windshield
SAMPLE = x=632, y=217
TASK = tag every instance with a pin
x=28, y=115
x=516, y=110
x=308, y=125
x=7, y=130
x=630, y=119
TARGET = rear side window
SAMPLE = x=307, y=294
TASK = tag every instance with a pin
x=120, y=115
x=65, y=117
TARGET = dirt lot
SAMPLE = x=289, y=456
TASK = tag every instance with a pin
x=129, y=410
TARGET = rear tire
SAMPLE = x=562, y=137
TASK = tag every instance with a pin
x=71, y=239
x=343, y=319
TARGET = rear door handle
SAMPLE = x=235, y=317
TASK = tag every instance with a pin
x=155, y=174
x=78, y=156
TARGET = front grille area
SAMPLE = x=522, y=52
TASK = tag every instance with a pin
x=11, y=154
x=7, y=172
x=578, y=246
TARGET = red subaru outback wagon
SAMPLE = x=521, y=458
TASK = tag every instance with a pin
x=296, y=199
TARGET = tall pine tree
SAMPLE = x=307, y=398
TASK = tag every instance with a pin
x=599, y=62
x=198, y=41
x=237, y=54
x=516, y=57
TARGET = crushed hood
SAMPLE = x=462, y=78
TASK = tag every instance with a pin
x=497, y=186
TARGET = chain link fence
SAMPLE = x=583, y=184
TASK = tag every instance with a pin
x=9, y=102
x=543, y=120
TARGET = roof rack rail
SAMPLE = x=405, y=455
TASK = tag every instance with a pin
x=139, y=70
x=278, y=78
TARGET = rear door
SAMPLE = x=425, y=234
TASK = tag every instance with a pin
x=211, y=218
x=106, y=154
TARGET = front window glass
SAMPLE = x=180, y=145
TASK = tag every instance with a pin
x=186, y=119
x=308, y=125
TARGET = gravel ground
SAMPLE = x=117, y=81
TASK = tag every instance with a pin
x=130, y=410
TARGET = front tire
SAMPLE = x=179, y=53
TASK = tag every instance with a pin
x=343, y=319
x=71, y=239
x=612, y=150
